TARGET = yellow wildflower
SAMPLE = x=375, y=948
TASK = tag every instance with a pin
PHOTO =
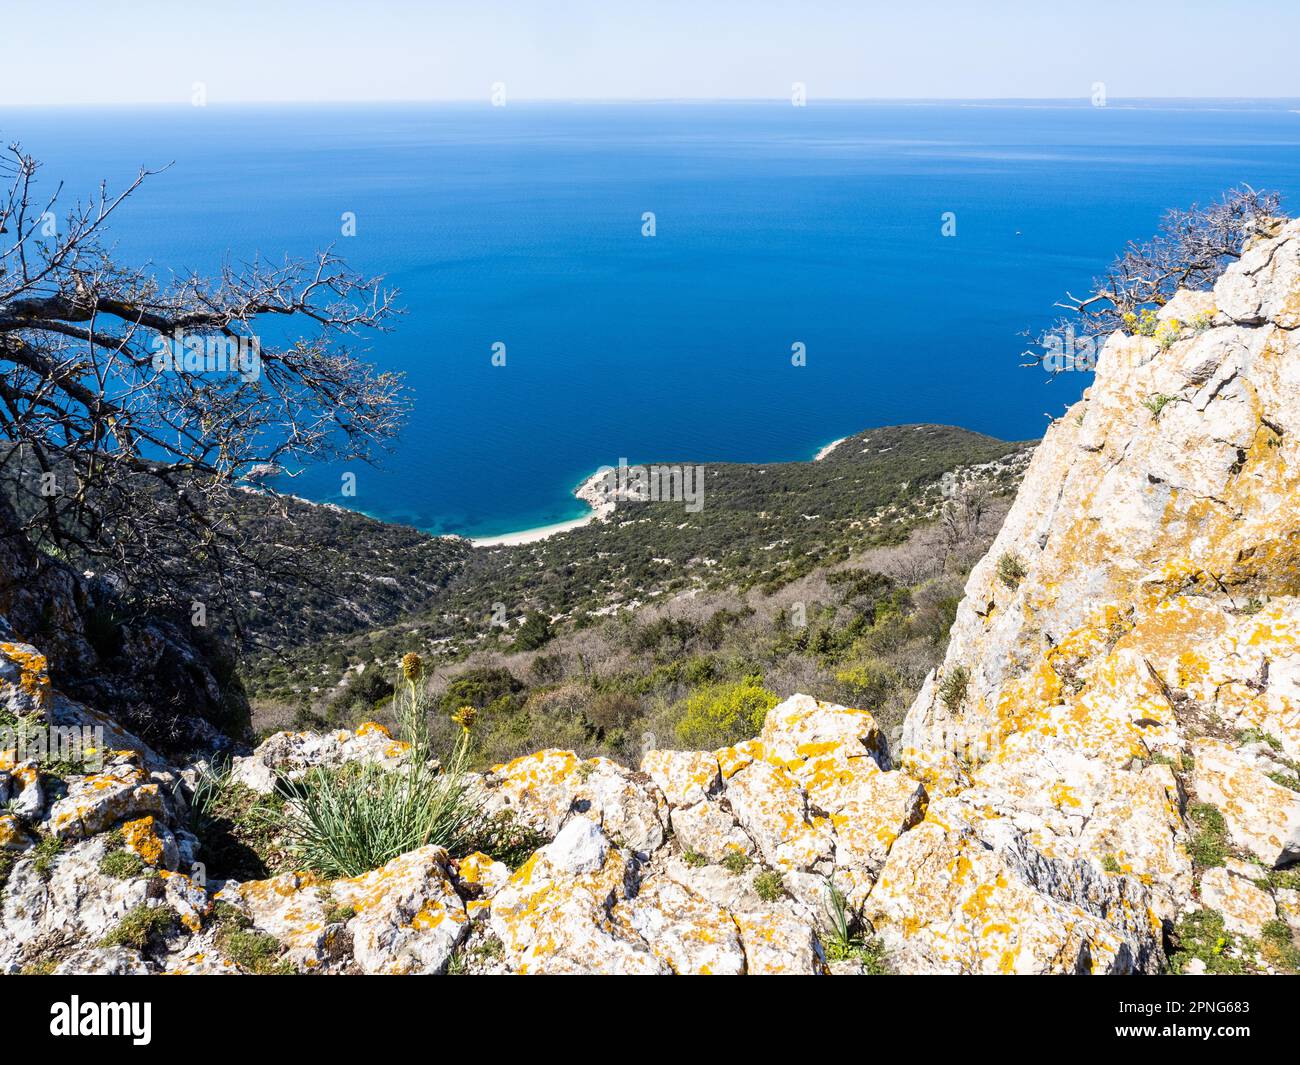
x=412, y=666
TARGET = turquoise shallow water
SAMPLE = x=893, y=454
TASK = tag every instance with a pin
x=775, y=226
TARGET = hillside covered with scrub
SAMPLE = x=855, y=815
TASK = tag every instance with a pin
x=841, y=574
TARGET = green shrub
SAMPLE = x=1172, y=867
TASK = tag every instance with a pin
x=535, y=632
x=720, y=714
x=480, y=688
x=868, y=684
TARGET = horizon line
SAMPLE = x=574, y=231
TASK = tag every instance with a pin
x=1080, y=100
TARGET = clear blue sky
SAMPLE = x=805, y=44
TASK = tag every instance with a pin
x=122, y=51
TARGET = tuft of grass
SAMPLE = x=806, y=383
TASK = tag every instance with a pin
x=345, y=822
x=844, y=941
x=769, y=885
x=122, y=864
x=141, y=926
x=736, y=862
x=1257, y=735
x=694, y=858
x=1209, y=846
x=8, y=859
x=1157, y=403
x=1274, y=879
x=43, y=855
x=254, y=951
x=1011, y=571
x=952, y=689
x=1111, y=864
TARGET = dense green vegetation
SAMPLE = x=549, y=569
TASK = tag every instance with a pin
x=764, y=528
x=698, y=666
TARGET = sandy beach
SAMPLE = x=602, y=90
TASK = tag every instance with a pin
x=592, y=491
x=828, y=449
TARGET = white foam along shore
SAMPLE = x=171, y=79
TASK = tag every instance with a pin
x=591, y=491
x=828, y=449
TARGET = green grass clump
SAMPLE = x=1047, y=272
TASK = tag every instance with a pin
x=1157, y=403
x=1274, y=879
x=1209, y=846
x=845, y=941
x=736, y=862
x=141, y=926
x=1278, y=946
x=254, y=951
x=952, y=689
x=43, y=855
x=346, y=822
x=1011, y=571
x=1202, y=935
x=768, y=885
x=694, y=858
x=122, y=864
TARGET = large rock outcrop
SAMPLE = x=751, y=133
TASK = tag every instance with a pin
x=1139, y=613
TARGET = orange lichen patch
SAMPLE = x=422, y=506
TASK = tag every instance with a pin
x=12, y=834
x=430, y=917
x=685, y=777
x=367, y=728
x=472, y=867
x=283, y=886
x=141, y=836
x=934, y=767
x=543, y=767
x=33, y=671
x=96, y=802
x=731, y=760
x=1099, y=633
x=1275, y=628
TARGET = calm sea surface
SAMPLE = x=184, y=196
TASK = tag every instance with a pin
x=775, y=225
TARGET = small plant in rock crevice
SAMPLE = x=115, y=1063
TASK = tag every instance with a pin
x=952, y=688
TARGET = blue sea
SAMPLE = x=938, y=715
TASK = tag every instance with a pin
x=774, y=226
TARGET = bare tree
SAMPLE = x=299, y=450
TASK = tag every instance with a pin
x=134, y=407
x=1192, y=248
